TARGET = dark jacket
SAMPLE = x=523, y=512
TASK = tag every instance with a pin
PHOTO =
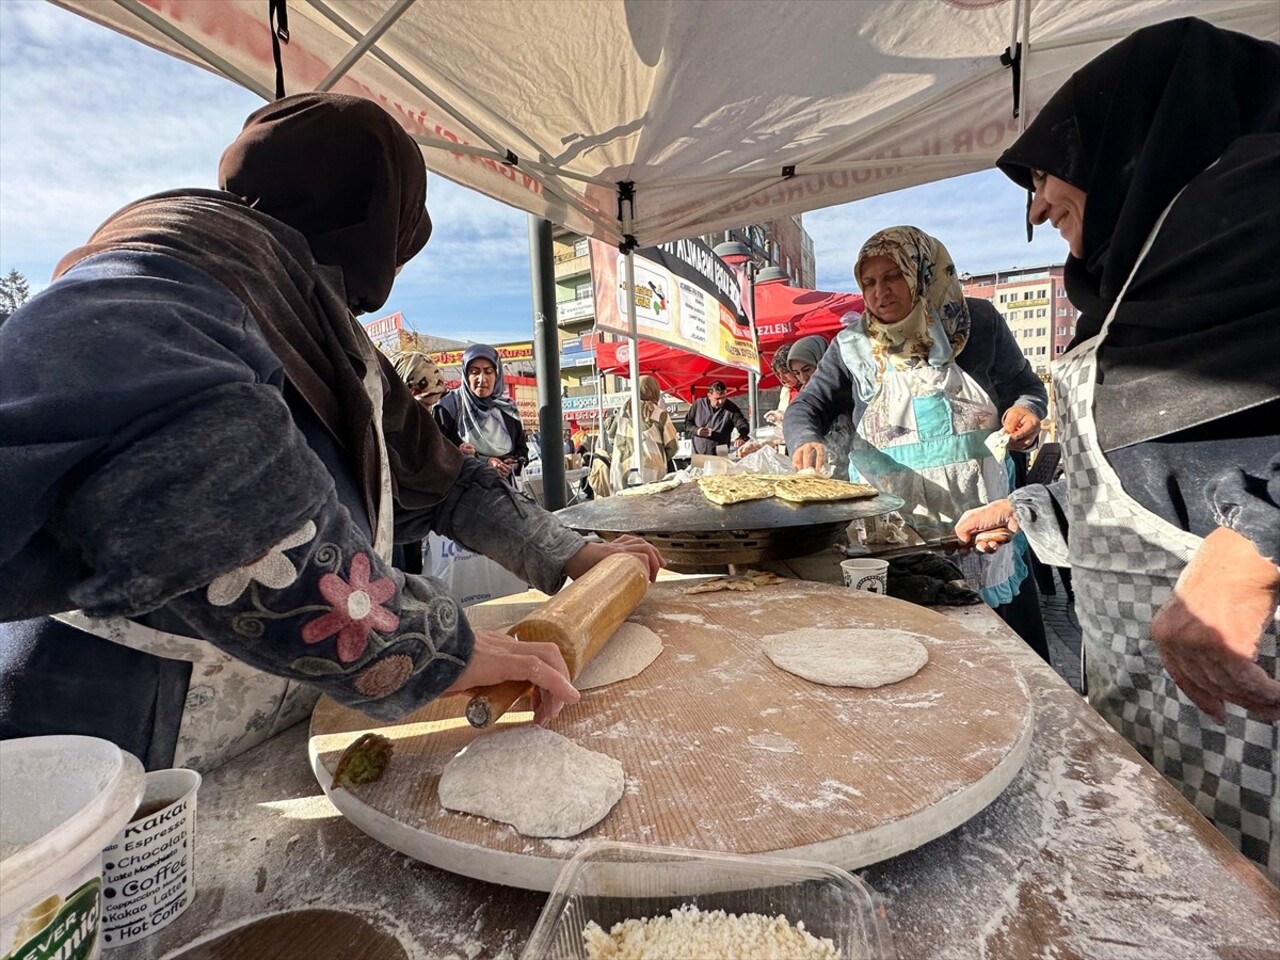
x=446, y=414
x=721, y=421
x=151, y=447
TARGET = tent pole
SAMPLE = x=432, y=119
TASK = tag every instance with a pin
x=637, y=420
x=364, y=43
x=753, y=376
x=546, y=361
x=1026, y=66
x=599, y=401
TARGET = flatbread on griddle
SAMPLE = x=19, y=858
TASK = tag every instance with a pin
x=658, y=486
x=735, y=488
x=820, y=490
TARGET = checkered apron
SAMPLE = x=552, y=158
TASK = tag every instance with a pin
x=1125, y=561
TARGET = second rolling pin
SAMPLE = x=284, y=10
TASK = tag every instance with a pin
x=579, y=620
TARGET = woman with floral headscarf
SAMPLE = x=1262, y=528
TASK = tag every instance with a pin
x=480, y=417
x=1159, y=163
x=925, y=394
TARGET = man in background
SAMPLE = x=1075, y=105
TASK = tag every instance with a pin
x=712, y=419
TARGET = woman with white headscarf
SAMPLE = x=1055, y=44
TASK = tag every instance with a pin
x=480, y=418
x=925, y=394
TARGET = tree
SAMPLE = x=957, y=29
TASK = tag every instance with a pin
x=14, y=292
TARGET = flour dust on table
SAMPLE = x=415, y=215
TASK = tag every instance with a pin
x=624, y=655
x=850, y=657
x=539, y=782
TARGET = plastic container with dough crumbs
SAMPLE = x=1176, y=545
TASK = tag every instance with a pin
x=612, y=882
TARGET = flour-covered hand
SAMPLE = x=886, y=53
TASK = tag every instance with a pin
x=1023, y=427
x=593, y=553
x=809, y=456
x=994, y=515
x=1208, y=632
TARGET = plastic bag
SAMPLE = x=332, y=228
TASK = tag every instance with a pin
x=765, y=460
x=469, y=577
x=653, y=459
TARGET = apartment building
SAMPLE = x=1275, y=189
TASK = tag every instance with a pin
x=1033, y=302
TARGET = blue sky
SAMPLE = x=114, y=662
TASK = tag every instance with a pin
x=90, y=120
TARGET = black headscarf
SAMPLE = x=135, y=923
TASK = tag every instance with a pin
x=345, y=175
x=332, y=204
x=1132, y=128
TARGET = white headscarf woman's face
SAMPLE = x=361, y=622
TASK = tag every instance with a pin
x=481, y=377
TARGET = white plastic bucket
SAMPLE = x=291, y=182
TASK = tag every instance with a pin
x=62, y=799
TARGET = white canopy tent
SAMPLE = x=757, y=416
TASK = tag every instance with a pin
x=718, y=112
x=642, y=121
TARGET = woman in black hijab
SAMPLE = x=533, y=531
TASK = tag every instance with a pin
x=208, y=462
x=1159, y=163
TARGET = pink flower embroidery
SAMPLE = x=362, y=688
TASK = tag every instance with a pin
x=355, y=610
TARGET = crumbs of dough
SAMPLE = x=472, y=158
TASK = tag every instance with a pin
x=690, y=932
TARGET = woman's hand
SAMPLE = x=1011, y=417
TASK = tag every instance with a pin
x=593, y=553
x=1023, y=427
x=990, y=517
x=1208, y=631
x=809, y=456
x=467, y=449
x=500, y=465
x=497, y=658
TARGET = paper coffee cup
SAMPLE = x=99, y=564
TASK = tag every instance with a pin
x=148, y=872
x=864, y=573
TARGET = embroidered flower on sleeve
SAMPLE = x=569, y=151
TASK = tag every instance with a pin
x=272, y=569
x=384, y=677
x=354, y=609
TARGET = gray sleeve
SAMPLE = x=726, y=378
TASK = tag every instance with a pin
x=486, y=516
x=828, y=394
x=1250, y=505
x=1042, y=515
x=1016, y=383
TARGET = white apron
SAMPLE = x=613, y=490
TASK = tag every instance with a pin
x=922, y=438
x=1125, y=562
x=231, y=706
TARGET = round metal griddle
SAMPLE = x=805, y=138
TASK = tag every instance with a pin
x=696, y=535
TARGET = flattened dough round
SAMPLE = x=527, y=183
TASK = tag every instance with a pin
x=848, y=658
x=624, y=655
x=539, y=782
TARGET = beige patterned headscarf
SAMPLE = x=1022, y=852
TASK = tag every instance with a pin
x=420, y=374
x=937, y=328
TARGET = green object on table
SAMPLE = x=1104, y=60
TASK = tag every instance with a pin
x=363, y=761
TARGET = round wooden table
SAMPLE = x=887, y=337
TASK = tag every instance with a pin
x=724, y=751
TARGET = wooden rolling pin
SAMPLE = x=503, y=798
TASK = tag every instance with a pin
x=578, y=620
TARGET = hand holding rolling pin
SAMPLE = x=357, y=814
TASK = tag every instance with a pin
x=592, y=553
x=498, y=658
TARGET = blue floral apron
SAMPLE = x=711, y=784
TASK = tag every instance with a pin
x=922, y=437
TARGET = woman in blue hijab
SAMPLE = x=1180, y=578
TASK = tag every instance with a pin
x=480, y=418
